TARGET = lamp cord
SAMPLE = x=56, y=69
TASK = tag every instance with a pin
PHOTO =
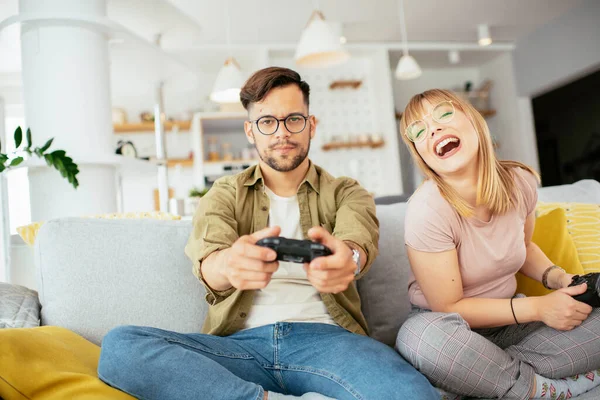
x=403, y=28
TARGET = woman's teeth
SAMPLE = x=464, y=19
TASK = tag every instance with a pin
x=439, y=148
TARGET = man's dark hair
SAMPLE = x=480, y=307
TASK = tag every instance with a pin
x=261, y=82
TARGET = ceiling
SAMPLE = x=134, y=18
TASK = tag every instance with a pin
x=188, y=24
x=277, y=21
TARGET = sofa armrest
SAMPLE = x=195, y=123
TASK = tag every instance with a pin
x=19, y=307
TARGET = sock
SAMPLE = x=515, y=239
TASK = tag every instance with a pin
x=567, y=387
x=305, y=396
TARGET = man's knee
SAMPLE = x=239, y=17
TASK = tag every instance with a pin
x=116, y=345
x=420, y=336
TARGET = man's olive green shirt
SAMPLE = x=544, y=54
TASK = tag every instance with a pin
x=237, y=205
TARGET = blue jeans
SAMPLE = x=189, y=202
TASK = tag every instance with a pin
x=289, y=358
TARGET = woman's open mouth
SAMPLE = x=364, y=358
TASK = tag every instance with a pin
x=447, y=146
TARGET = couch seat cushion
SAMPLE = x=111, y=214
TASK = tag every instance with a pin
x=50, y=363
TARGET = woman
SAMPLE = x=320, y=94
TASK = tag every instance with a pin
x=468, y=232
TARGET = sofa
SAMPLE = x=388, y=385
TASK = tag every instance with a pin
x=95, y=274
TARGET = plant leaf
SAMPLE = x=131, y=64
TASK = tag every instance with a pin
x=3, y=157
x=16, y=161
x=28, y=138
x=58, y=153
x=48, y=158
x=18, y=137
x=59, y=166
x=47, y=145
x=2, y=167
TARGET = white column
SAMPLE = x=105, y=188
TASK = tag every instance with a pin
x=67, y=96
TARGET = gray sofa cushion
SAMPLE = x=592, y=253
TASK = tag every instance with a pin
x=95, y=274
x=384, y=289
x=584, y=191
x=19, y=307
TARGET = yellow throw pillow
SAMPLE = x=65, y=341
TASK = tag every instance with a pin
x=50, y=363
x=29, y=232
x=552, y=237
x=583, y=223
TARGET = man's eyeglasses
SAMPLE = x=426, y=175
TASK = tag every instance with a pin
x=268, y=125
x=442, y=113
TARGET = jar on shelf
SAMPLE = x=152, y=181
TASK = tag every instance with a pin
x=213, y=149
x=227, y=153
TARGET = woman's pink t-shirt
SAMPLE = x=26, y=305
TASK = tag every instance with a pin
x=489, y=253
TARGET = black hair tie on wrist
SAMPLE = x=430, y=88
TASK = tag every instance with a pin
x=513, y=310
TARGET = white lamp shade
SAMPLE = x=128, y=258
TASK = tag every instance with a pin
x=407, y=68
x=228, y=83
x=319, y=46
x=483, y=35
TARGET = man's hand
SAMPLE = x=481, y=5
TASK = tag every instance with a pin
x=330, y=274
x=249, y=266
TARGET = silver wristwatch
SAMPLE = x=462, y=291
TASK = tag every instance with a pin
x=356, y=259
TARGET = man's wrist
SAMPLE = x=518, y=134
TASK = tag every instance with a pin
x=356, y=256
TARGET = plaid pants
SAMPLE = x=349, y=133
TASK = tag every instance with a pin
x=495, y=362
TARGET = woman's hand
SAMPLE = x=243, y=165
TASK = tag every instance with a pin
x=565, y=280
x=559, y=310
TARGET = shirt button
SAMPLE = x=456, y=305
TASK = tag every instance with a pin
x=243, y=315
x=264, y=208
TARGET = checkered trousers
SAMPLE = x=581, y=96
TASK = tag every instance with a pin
x=496, y=362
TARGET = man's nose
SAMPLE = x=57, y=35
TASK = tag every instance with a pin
x=282, y=130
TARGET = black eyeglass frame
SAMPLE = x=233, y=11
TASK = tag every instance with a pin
x=279, y=120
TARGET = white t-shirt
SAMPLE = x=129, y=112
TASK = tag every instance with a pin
x=289, y=297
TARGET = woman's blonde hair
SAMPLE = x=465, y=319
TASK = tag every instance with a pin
x=495, y=184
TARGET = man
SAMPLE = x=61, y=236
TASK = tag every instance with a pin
x=273, y=328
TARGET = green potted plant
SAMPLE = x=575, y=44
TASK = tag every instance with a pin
x=57, y=158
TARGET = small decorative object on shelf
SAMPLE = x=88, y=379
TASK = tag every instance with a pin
x=227, y=154
x=147, y=116
x=119, y=116
x=479, y=98
x=57, y=159
x=213, y=149
x=126, y=148
x=343, y=84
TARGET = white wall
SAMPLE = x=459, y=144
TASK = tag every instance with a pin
x=435, y=78
x=511, y=126
x=560, y=51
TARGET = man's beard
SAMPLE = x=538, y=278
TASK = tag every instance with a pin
x=279, y=166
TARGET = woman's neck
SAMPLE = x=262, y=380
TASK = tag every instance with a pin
x=465, y=183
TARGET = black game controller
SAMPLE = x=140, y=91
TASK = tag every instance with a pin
x=296, y=251
x=592, y=294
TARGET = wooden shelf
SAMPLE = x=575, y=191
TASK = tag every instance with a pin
x=184, y=162
x=149, y=126
x=345, y=84
x=487, y=113
x=338, y=146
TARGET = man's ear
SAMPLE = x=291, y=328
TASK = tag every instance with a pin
x=313, y=126
x=248, y=131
